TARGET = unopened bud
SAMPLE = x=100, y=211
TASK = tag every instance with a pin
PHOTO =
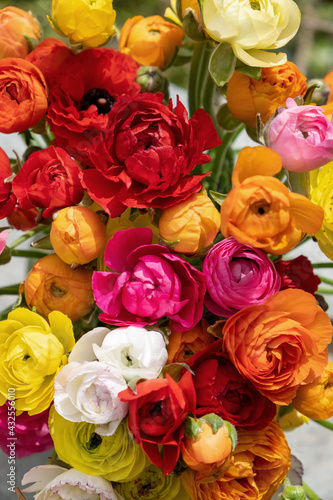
x=321, y=93
x=293, y=493
x=151, y=79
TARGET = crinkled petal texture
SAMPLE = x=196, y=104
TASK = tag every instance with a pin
x=279, y=345
x=147, y=282
x=15, y=25
x=145, y=155
x=251, y=27
x=237, y=276
x=23, y=95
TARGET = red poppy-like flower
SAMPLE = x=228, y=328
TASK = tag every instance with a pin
x=7, y=198
x=297, y=273
x=155, y=416
x=222, y=390
x=23, y=220
x=83, y=94
x=49, y=179
x=144, y=158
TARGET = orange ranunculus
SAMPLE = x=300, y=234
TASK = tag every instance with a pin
x=150, y=41
x=260, y=210
x=328, y=79
x=315, y=400
x=15, y=25
x=207, y=446
x=247, y=97
x=280, y=344
x=182, y=345
x=52, y=285
x=77, y=235
x=23, y=95
x=270, y=455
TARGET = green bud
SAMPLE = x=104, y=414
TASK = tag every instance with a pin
x=151, y=79
x=321, y=92
x=293, y=493
x=192, y=27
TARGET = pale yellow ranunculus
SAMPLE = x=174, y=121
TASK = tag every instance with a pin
x=251, y=27
x=86, y=22
x=321, y=192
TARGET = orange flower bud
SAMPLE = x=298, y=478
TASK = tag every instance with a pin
x=328, y=79
x=150, y=41
x=182, y=345
x=247, y=97
x=194, y=223
x=15, y=26
x=52, y=285
x=77, y=235
x=315, y=400
x=207, y=446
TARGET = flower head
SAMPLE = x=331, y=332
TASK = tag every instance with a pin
x=321, y=181
x=16, y=26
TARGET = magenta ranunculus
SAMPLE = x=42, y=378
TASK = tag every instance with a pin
x=31, y=432
x=302, y=136
x=147, y=283
x=237, y=276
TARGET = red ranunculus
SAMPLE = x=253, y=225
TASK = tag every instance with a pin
x=23, y=220
x=83, y=94
x=222, y=390
x=143, y=159
x=297, y=273
x=49, y=179
x=156, y=414
x=7, y=198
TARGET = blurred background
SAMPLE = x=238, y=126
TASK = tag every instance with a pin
x=311, y=50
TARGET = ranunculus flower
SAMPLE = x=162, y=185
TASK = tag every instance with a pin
x=260, y=210
x=88, y=392
x=3, y=239
x=48, y=56
x=116, y=458
x=221, y=389
x=57, y=483
x=7, y=197
x=77, y=235
x=252, y=27
x=83, y=93
x=146, y=283
x=297, y=273
x=321, y=188
x=49, y=179
x=52, y=285
x=156, y=414
x=31, y=431
x=151, y=41
x=145, y=155
x=23, y=219
x=23, y=95
x=151, y=484
x=247, y=97
x=71, y=20
x=315, y=400
x=302, y=136
x=237, y=276
x=328, y=79
x=15, y=26
x=286, y=343
x=182, y=345
x=194, y=223
x=32, y=352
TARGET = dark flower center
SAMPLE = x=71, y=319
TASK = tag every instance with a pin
x=100, y=98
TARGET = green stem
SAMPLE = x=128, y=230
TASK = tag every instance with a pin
x=220, y=157
x=10, y=290
x=325, y=423
x=322, y=264
x=311, y=495
x=34, y=254
x=325, y=290
x=325, y=280
x=26, y=236
x=198, y=70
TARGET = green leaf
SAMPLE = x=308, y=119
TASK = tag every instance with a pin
x=218, y=197
x=226, y=120
x=174, y=370
x=250, y=71
x=193, y=427
x=222, y=64
x=214, y=421
x=43, y=243
x=308, y=95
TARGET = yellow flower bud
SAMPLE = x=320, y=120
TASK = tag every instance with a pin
x=83, y=21
x=32, y=352
x=52, y=285
x=291, y=420
x=77, y=235
x=151, y=41
x=15, y=26
x=194, y=223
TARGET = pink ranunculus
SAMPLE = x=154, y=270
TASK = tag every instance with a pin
x=3, y=241
x=237, y=276
x=147, y=282
x=302, y=136
x=31, y=432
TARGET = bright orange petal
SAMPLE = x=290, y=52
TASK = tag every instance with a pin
x=258, y=160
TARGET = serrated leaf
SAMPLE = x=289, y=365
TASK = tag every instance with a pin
x=226, y=120
x=218, y=197
x=222, y=64
x=250, y=71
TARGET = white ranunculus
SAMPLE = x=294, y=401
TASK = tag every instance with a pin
x=135, y=351
x=56, y=483
x=88, y=392
x=250, y=26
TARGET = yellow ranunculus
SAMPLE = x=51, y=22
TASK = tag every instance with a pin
x=86, y=22
x=252, y=26
x=32, y=353
x=321, y=193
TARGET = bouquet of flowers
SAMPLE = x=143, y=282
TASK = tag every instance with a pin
x=163, y=340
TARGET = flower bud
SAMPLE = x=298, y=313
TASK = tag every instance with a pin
x=151, y=79
x=193, y=223
x=291, y=420
x=293, y=493
x=321, y=93
x=52, y=285
x=77, y=235
x=150, y=41
x=16, y=28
